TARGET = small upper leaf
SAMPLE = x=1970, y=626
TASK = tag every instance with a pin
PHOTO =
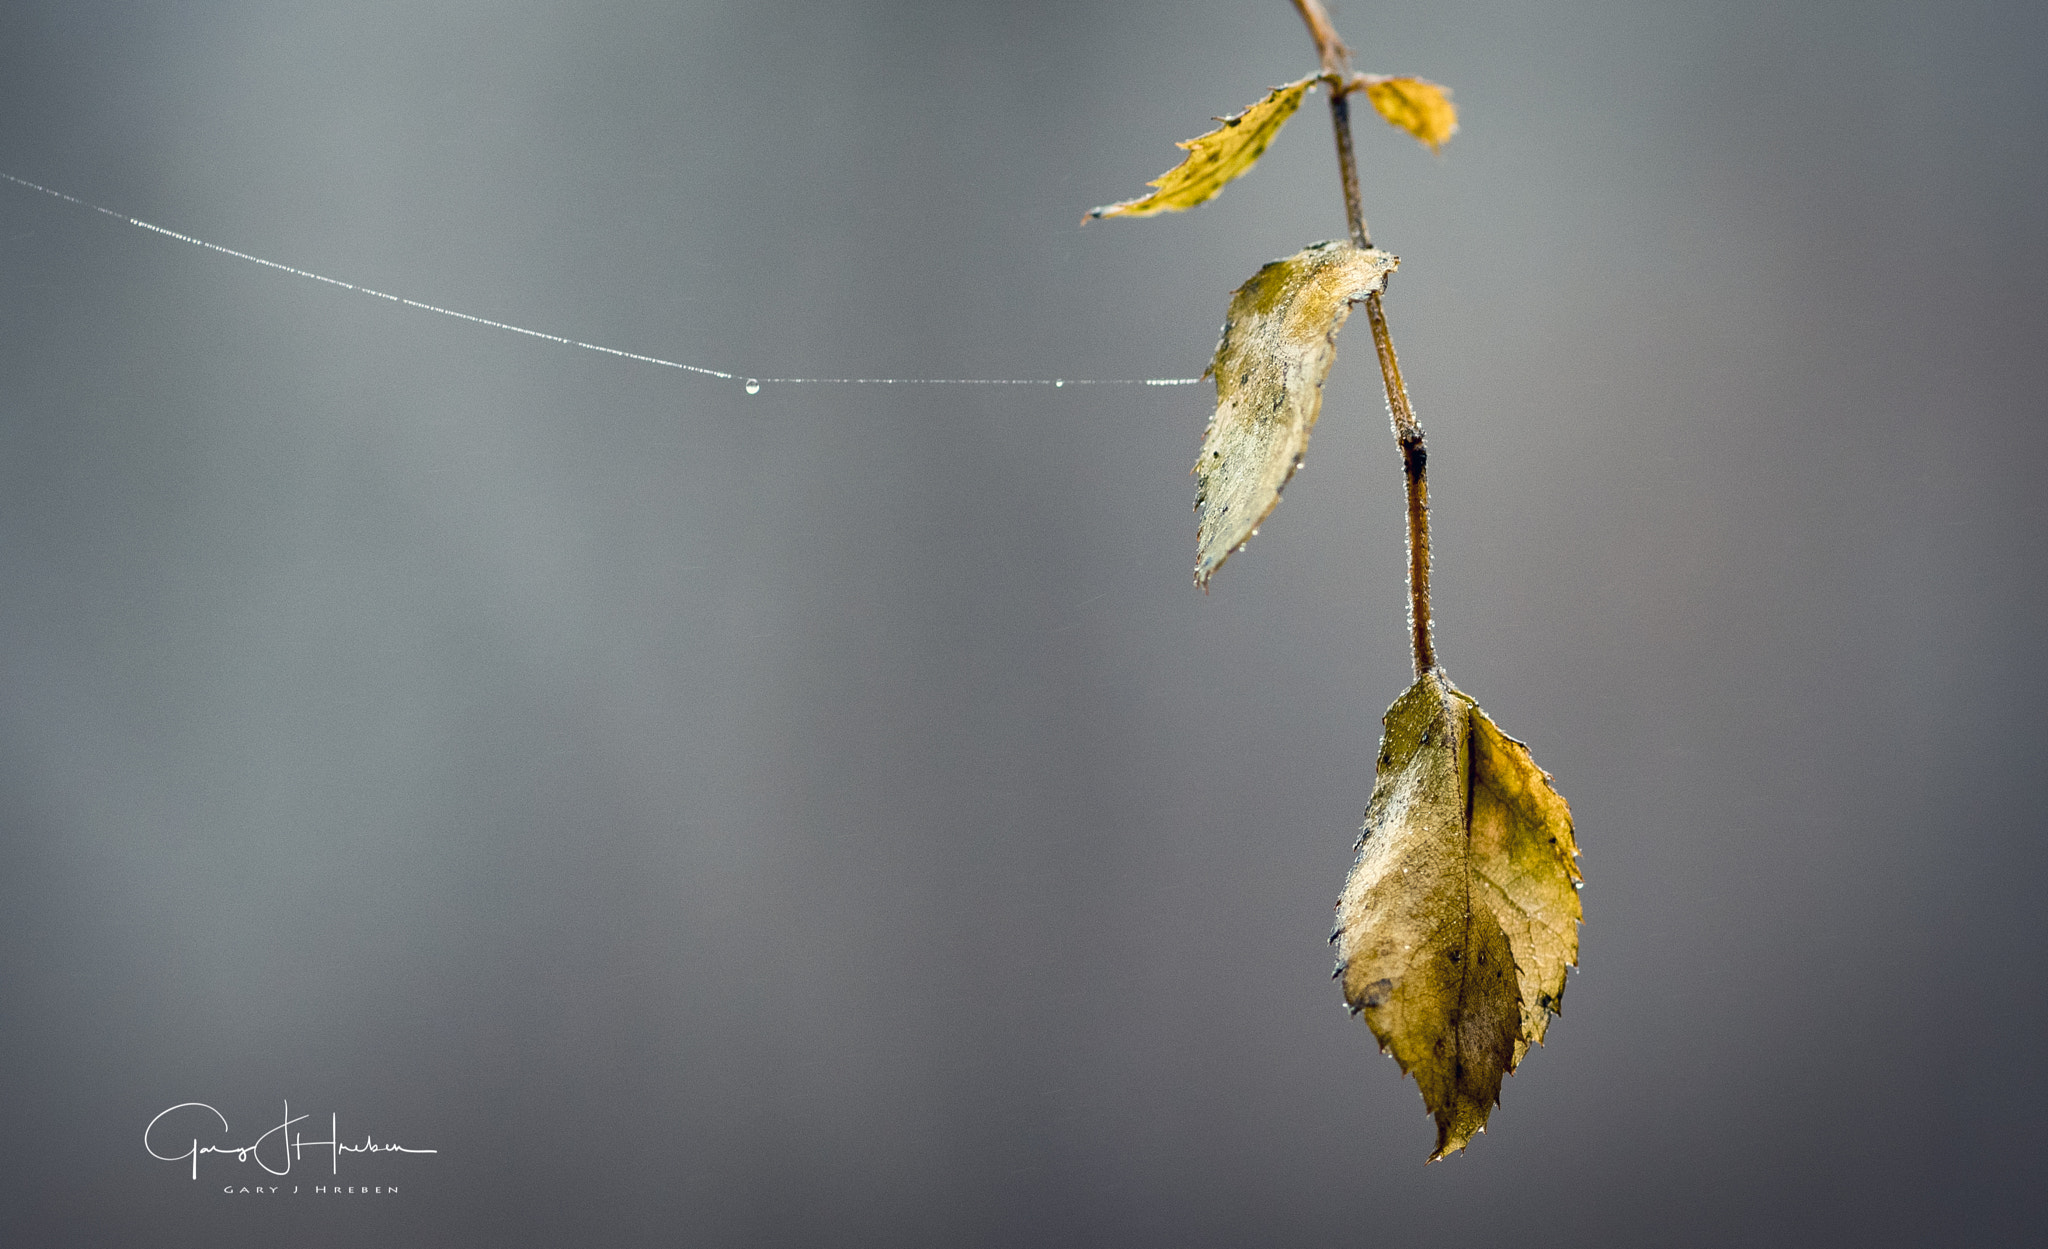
x=1461, y=914
x=1225, y=153
x=1279, y=340
x=1417, y=105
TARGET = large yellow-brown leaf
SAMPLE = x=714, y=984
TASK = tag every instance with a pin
x=1417, y=105
x=1279, y=340
x=1225, y=153
x=1461, y=913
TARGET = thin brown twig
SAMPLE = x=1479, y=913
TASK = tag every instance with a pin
x=1336, y=57
x=1414, y=467
x=1339, y=81
x=1347, y=168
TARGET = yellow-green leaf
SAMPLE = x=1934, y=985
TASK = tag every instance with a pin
x=1225, y=153
x=1417, y=105
x=1461, y=913
x=1279, y=340
x=1523, y=854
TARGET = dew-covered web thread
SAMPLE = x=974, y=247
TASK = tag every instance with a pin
x=752, y=384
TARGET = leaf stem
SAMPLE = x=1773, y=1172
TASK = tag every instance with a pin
x=1338, y=81
x=1347, y=167
x=1336, y=57
x=1414, y=466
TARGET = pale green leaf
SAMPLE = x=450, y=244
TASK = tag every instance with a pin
x=1279, y=340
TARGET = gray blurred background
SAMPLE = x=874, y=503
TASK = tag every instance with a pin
x=830, y=816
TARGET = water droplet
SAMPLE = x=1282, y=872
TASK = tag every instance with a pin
x=1059, y=382
x=753, y=385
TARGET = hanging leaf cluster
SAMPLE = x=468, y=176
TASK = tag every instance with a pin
x=1279, y=337
x=1461, y=912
